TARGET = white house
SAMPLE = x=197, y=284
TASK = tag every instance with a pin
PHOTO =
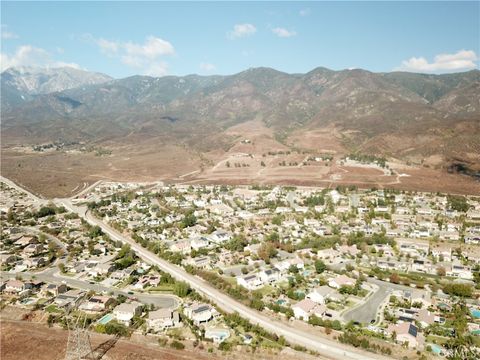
x=200, y=313
x=125, y=312
x=306, y=308
x=162, y=319
x=269, y=275
x=341, y=280
x=250, y=282
x=320, y=294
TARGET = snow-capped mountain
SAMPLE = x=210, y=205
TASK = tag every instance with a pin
x=31, y=80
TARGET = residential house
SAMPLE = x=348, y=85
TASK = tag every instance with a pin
x=320, y=294
x=306, y=308
x=14, y=286
x=341, y=280
x=54, y=289
x=220, y=236
x=183, y=247
x=250, y=282
x=269, y=275
x=425, y=318
x=407, y=333
x=200, y=313
x=33, y=249
x=162, y=319
x=125, y=312
x=69, y=299
x=97, y=303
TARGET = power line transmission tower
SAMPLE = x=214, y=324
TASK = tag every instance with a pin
x=78, y=343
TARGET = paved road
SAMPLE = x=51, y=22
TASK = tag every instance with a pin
x=327, y=348
x=367, y=312
x=56, y=240
x=50, y=276
x=21, y=189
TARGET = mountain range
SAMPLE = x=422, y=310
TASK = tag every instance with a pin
x=399, y=114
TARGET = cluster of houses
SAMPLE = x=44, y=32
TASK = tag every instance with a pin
x=225, y=230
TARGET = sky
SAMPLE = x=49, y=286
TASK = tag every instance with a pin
x=178, y=38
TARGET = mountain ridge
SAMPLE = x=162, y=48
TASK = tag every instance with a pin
x=195, y=108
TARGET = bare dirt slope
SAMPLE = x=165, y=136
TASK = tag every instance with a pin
x=22, y=340
x=255, y=156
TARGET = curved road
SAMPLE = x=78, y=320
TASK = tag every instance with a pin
x=162, y=301
x=325, y=347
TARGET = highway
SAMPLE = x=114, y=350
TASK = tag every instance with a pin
x=328, y=349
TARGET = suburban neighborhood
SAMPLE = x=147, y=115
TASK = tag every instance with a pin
x=376, y=269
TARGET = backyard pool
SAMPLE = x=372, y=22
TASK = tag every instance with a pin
x=27, y=301
x=106, y=319
x=437, y=350
x=475, y=313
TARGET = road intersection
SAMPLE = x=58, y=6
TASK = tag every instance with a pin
x=326, y=348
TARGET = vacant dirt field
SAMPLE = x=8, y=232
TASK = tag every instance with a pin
x=254, y=157
x=23, y=340
x=62, y=174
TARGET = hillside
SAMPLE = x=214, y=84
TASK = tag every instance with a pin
x=20, y=85
x=413, y=118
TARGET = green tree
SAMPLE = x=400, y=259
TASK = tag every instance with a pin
x=462, y=344
x=320, y=266
x=181, y=289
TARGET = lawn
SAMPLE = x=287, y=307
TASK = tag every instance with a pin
x=161, y=288
x=269, y=344
x=266, y=290
x=440, y=340
x=52, y=309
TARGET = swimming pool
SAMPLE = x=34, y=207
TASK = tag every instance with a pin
x=27, y=301
x=106, y=319
x=475, y=313
x=437, y=350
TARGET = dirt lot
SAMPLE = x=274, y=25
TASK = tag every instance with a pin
x=62, y=174
x=254, y=157
x=22, y=340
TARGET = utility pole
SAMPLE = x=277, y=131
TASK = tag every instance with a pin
x=78, y=343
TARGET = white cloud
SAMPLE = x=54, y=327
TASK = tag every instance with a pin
x=284, y=33
x=304, y=12
x=157, y=69
x=27, y=55
x=7, y=35
x=106, y=46
x=242, y=30
x=207, y=67
x=461, y=60
x=146, y=56
x=152, y=48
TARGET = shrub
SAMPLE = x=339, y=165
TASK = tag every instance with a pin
x=177, y=345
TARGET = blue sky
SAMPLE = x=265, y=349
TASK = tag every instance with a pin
x=158, y=38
